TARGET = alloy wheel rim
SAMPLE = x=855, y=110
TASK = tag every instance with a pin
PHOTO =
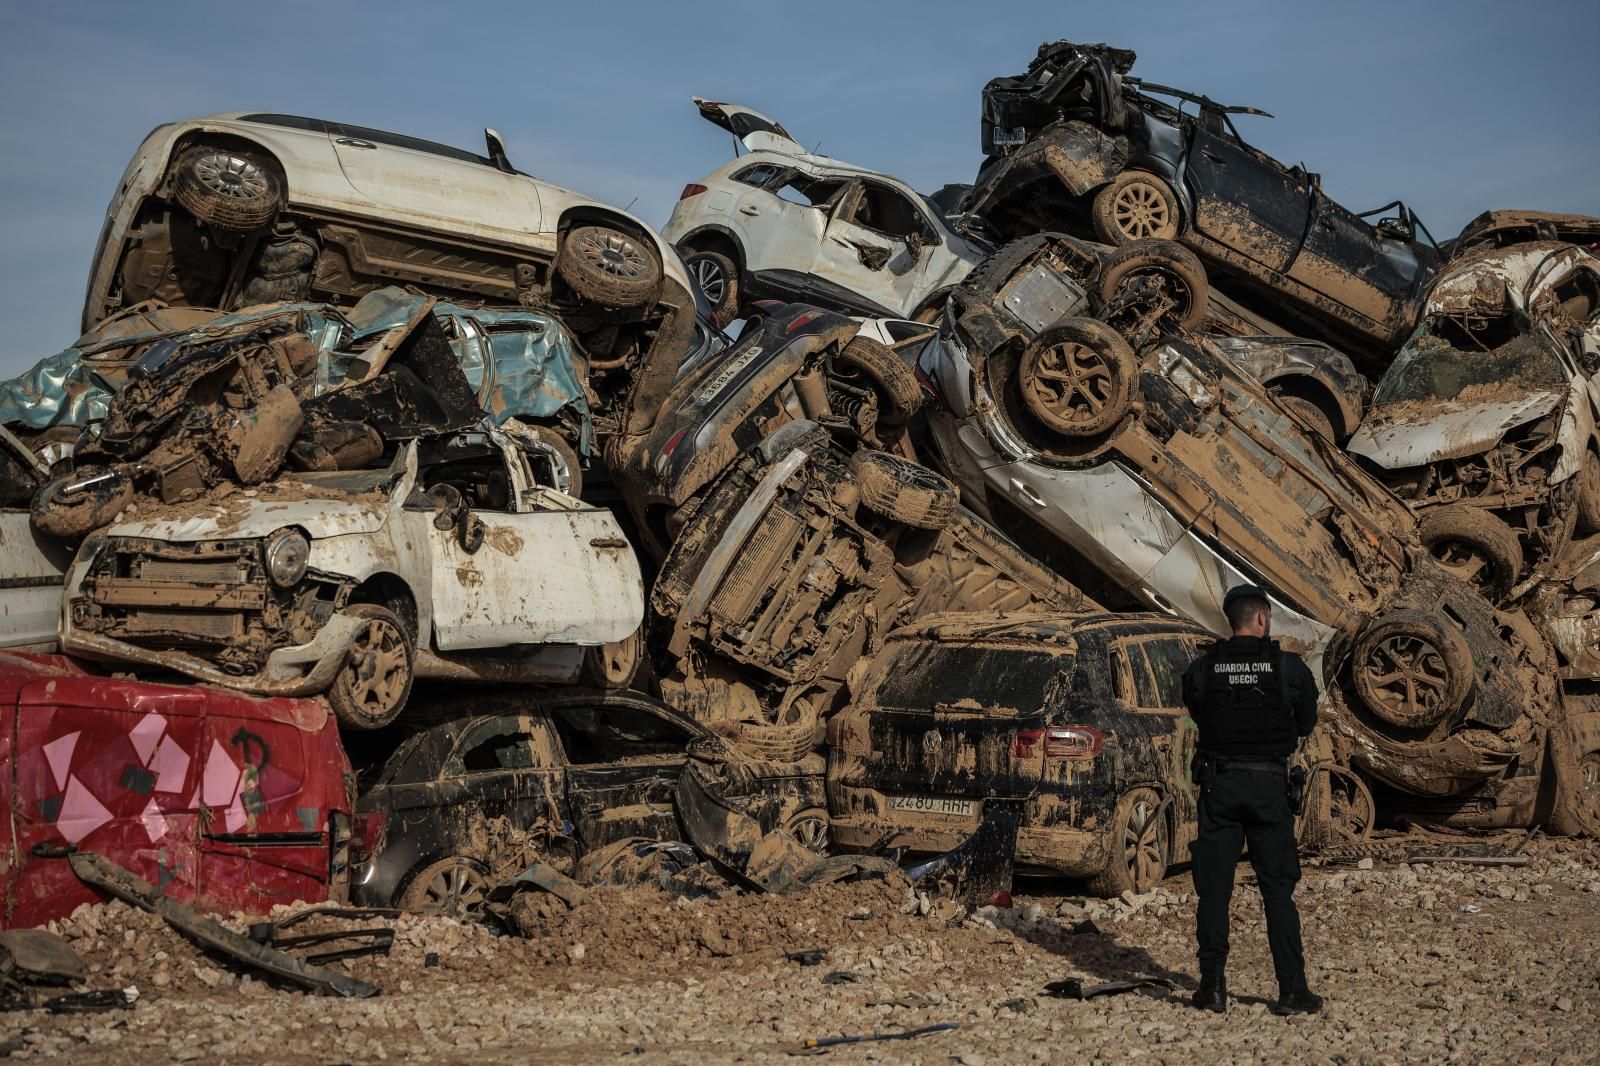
x=711, y=280
x=455, y=890
x=811, y=832
x=230, y=175
x=377, y=667
x=1408, y=675
x=1141, y=211
x=614, y=254
x=1141, y=846
x=1070, y=384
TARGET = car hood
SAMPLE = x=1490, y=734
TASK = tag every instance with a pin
x=1397, y=436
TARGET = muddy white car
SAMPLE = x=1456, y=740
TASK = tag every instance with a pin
x=1486, y=423
x=779, y=222
x=244, y=208
x=455, y=561
x=1175, y=475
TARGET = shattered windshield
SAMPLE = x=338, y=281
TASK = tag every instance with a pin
x=1430, y=369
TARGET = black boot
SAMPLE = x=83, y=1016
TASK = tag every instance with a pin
x=1212, y=994
x=1299, y=1001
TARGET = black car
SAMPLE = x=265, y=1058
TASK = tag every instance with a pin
x=1077, y=143
x=1080, y=718
x=550, y=777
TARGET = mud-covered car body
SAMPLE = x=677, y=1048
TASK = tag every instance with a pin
x=551, y=777
x=33, y=566
x=1297, y=369
x=228, y=803
x=1500, y=229
x=360, y=208
x=799, y=226
x=514, y=582
x=1206, y=482
x=782, y=579
x=1492, y=406
x=1058, y=135
x=1069, y=714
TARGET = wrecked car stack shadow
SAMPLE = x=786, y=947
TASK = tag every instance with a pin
x=452, y=557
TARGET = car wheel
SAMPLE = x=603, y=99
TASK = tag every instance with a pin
x=1136, y=846
x=613, y=665
x=568, y=472
x=903, y=491
x=1308, y=412
x=454, y=888
x=718, y=279
x=1475, y=546
x=1589, y=494
x=227, y=189
x=1162, y=278
x=1077, y=377
x=372, y=686
x=1135, y=206
x=1577, y=785
x=608, y=266
x=899, y=394
x=76, y=504
x=810, y=828
x=1410, y=671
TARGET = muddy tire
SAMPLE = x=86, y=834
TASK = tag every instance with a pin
x=1078, y=378
x=1135, y=206
x=718, y=278
x=899, y=394
x=372, y=686
x=239, y=192
x=1136, y=847
x=1411, y=671
x=903, y=491
x=608, y=266
x=68, y=515
x=1308, y=412
x=810, y=828
x=569, y=471
x=614, y=665
x=1176, y=269
x=454, y=888
x=1589, y=494
x=1475, y=546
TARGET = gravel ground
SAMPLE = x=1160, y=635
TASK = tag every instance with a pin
x=1426, y=962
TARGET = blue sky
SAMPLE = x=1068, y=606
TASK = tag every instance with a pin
x=1454, y=107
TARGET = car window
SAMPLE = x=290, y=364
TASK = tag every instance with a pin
x=1145, y=691
x=920, y=675
x=601, y=734
x=477, y=473
x=291, y=122
x=1167, y=658
x=807, y=191
x=883, y=210
x=400, y=140
x=498, y=744
x=759, y=175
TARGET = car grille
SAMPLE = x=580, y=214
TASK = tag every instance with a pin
x=199, y=572
x=204, y=625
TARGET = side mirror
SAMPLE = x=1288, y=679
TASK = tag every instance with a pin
x=497, y=150
x=1395, y=229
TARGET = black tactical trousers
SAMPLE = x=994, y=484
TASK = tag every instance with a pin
x=1241, y=805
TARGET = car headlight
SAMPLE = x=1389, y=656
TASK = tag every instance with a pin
x=287, y=551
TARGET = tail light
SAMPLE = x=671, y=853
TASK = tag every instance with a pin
x=1025, y=743
x=802, y=319
x=367, y=835
x=691, y=189
x=1073, y=742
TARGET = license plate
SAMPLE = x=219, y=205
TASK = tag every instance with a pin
x=932, y=805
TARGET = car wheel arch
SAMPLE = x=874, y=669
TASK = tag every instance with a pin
x=387, y=589
x=221, y=139
x=597, y=215
x=1315, y=390
x=713, y=238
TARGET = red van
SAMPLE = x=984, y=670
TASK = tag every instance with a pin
x=225, y=801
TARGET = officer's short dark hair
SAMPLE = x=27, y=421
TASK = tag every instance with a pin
x=1241, y=608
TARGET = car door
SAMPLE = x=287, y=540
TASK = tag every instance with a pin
x=624, y=758
x=499, y=795
x=1242, y=199
x=875, y=245
x=527, y=565
x=1346, y=259
x=437, y=187
x=784, y=221
x=1156, y=666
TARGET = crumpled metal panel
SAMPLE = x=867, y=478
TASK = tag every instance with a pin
x=59, y=390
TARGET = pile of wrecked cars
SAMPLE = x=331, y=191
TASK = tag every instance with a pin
x=409, y=548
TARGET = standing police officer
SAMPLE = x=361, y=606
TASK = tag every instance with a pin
x=1251, y=702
